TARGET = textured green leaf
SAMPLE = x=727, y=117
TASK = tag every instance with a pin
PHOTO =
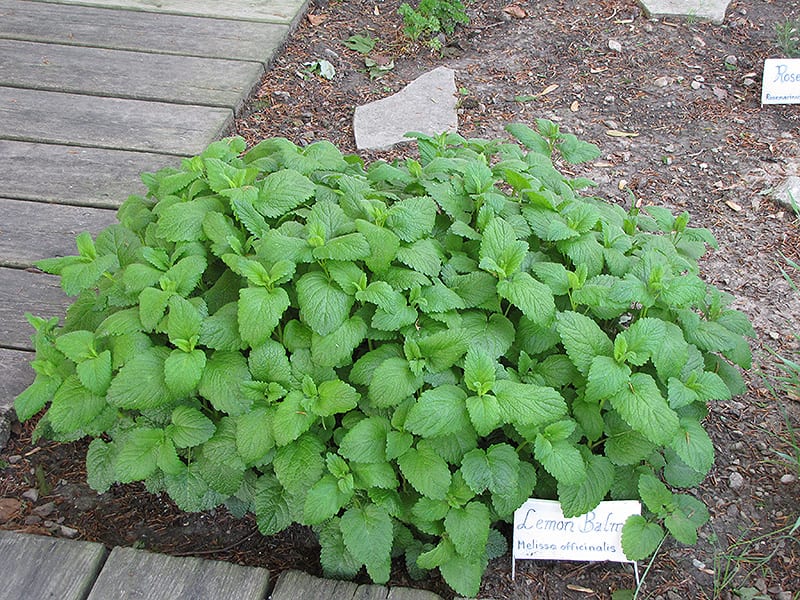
x=335, y=396
x=268, y=362
x=468, y=528
x=300, y=464
x=76, y=345
x=137, y=454
x=529, y=138
x=220, y=331
x=655, y=495
x=576, y=151
x=438, y=411
x=324, y=500
x=334, y=557
x=463, y=574
x=606, y=377
x=579, y=499
x=643, y=339
x=693, y=446
x=218, y=462
x=561, y=459
x=495, y=469
x=183, y=221
x=532, y=297
x=260, y=311
x=495, y=334
x=152, y=306
x=290, y=420
x=95, y=373
x=426, y=471
x=484, y=413
x=443, y=349
x=221, y=381
x=272, y=506
x=383, y=244
x=74, y=406
x=640, y=538
x=644, y=408
x=623, y=445
x=100, y=472
x=500, y=252
x=368, y=533
x=336, y=349
x=183, y=370
x=366, y=441
x=351, y=246
x=140, y=383
x=323, y=306
x=424, y=255
x=583, y=339
x=392, y=382
x=283, y=191
x=190, y=491
x=190, y=427
x=479, y=370
x=254, y=437
x=527, y=404
x=412, y=219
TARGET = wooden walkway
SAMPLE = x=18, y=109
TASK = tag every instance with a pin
x=35, y=567
x=92, y=93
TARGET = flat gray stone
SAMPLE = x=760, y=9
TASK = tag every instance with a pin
x=426, y=105
x=709, y=10
x=789, y=192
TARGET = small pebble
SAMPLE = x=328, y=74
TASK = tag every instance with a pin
x=731, y=60
x=696, y=85
x=32, y=520
x=31, y=494
x=68, y=532
x=14, y=459
x=735, y=481
x=698, y=564
x=749, y=82
x=614, y=45
x=45, y=510
x=788, y=478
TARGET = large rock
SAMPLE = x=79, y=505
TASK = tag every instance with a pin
x=426, y=105
x=709, y=10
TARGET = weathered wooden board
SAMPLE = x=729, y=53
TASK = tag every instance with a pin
x=274, y=11
x=141, y=31
x=124, y=74
x=42, y=567
x=25, y=291
x=33, y=230
x=72, y=175
x=296, y=585
x=53, y=117
x=401, y=593
x=130, y=573
x=15, y=375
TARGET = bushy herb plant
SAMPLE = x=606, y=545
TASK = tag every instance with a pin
x=431, y=17
x=396, y=354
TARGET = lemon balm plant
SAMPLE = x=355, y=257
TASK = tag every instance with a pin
x=398, y=355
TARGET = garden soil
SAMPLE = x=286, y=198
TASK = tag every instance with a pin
x=674, y=105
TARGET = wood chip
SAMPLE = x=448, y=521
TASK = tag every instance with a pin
x=515, y=11
x=574, y=106
x=580, y=588
x=618, y=133
x=733, y=206
x=316, y=19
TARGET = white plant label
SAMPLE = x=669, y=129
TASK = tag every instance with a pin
x=781, y=81
x=542, y=532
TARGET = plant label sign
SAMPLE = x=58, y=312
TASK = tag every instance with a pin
x=781, y=81
x=542, y=532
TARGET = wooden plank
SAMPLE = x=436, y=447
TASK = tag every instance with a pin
x=130, y=573
x=371, y=592
x=140, y=31
x=124, y=74
x=26, y=291
x=275, y=11
x=402, y=593
x=33, y=230
x=72, y=175
x=42, y=567
x=54, y=117
x=15, y=375
x=296, y=585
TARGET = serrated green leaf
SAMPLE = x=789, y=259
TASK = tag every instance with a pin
x=74, y=406
x=412, y=219
x=576, y=151
x=623, y=445
x=495, y=334
x=290, y=420
x=218, y=462
x=368, y=533
x=479, y=370
x=336, y=349
x=583, y=339
x=501, y=253
x=443, y=349
x=299, y=464
x=152, y=306
x=323, y=306
x=140, y=383
x=561, y=459
x=324, y=500
x=271, y=504
x=76, y=345
x=484, y=413
x=259, y=312
x=383, y=244
x=95, y=373
x=137, y=454
x=351, y=246
x=640, y=538
x=495, y=469
x=426, y=471
x=366, y=441
x=641, y=404
x=183, y=371
x=100, y=473
x=221, y=380
x=437, y=412
x=392, y=382
x=529, y=138
x=579, y=499
x=190, y=427
x=336, y=561
x=424, y=255
x=463, y=574
x=190, y=491
x=532, y=297
x=283, y=191
x=220, y=331
x=527, y=404
x=254, y=437
x=380, y=475
x=334, y=396
x=643, y=339
x=655, y=495
x=605, y=378
x=183, y=221
x=693, y=445
x=468, y=528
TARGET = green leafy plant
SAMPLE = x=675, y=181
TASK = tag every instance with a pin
x=431, y=17
x=398, y=355
x=363, y=44
x=787, y=36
